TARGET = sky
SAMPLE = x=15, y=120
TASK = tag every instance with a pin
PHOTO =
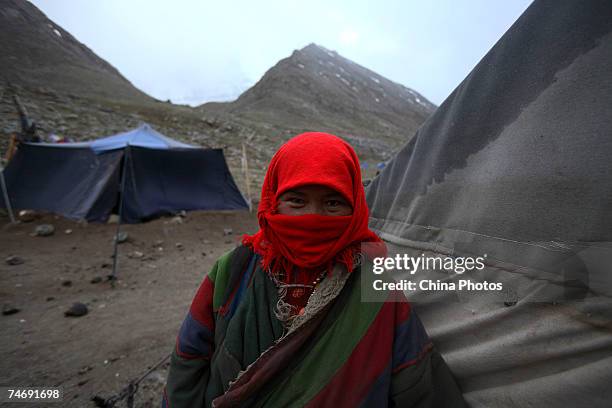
x=195, y=51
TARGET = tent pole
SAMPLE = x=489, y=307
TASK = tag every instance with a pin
x=122, y=190
x=11, y=149
x=9, y=155
x=245, y=169
x=6, y=197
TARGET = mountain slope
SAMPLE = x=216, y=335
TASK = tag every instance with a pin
x=317, y=89
x=36, y=52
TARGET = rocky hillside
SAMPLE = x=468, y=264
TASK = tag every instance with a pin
x=36, y=53
x=70, y=91
x=318, y=89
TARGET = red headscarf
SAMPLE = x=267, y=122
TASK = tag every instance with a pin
x=312, y=240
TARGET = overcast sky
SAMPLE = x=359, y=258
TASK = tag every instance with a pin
x=194, y=51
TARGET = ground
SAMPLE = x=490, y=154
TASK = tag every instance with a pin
x=129, y=328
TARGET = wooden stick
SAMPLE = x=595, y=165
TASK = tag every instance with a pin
x=245, y=169
x=6, y=196
x=11, y=149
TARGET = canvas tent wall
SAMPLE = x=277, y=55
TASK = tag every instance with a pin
x=517, y=164
x=82, y=180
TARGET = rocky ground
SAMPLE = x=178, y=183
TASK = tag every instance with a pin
x=127, y=329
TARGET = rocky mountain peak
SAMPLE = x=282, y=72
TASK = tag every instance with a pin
x=316, y=88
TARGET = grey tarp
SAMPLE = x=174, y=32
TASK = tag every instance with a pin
x=517, y=164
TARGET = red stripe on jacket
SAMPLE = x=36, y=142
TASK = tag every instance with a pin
x=369, y=359
x=202, y=305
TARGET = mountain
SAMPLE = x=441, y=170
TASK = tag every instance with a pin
x=67, y=89
x=318, y=89
x=37, y=53
x=70, y=91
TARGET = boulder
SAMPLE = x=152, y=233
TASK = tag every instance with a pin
x=14, y=260
x=77, y=309
x=44, y=230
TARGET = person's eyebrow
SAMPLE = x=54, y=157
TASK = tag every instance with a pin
x=335, y=195
x=292, y=192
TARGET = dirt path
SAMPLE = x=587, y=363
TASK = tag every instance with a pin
x=128, y=329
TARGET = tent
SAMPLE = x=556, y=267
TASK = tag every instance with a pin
x=83, y=180
x=516, y=166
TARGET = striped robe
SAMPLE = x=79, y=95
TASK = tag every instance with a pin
x=232, y=351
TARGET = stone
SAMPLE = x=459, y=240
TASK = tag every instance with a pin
x=156, y=377
x=99, y=401
x=96, y=279
x=227, y=231
x=67, y=283
x=176, y=220
x=14, y=260
x=77, y=309
x=136, y=254
x=8, y=309
x=113, y=219
x=121, y=237
x=27, y=215
x=85, y=369
x=44, y=230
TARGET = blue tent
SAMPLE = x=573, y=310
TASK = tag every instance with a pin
x=84, y=180
x=142, y=136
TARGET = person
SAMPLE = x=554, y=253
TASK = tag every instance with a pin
x=279, y=321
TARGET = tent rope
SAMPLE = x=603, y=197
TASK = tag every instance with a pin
x=129, y=391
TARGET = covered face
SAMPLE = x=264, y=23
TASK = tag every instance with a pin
x=313, y=199
x=315, y=239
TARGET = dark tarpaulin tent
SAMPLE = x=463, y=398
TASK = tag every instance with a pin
x=517, y=164
x=82, y=180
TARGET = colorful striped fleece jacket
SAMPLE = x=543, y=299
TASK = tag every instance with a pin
x=232, y=351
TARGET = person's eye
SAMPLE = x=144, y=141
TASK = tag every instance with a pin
x=295, y=200
x=334, y=203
